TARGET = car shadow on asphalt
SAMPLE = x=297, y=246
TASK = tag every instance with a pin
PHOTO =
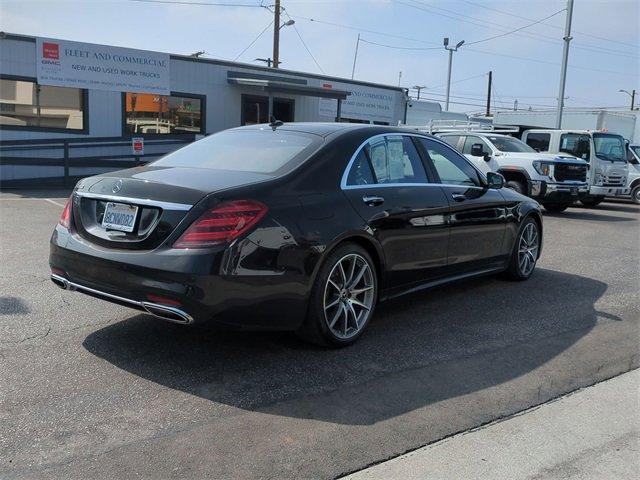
x=418, y=350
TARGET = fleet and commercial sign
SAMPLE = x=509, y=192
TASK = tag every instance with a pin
x=364, y=103
x=85, y=65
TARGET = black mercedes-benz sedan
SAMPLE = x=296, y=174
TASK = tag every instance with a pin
x=301, y=227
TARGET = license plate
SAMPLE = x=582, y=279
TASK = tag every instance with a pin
x=574, y=191
x=119, y=216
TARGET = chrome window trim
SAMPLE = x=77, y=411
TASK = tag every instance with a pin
x=345, y=174
x=136, y=201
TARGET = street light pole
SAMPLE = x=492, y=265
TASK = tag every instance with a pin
x=451, y=50
x=565, y=59
x=632, y=95
x=418, y=88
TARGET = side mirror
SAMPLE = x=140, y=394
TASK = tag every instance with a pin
x=495, y=180
x=477, y=150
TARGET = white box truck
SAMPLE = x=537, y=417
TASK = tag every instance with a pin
x=606, y=154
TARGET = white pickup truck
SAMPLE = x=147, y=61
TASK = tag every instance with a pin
x=556, y=181
x=606, y=154
x=633, y=182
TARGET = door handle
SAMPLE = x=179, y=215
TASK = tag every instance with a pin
x=458, y=197
x=372, y=201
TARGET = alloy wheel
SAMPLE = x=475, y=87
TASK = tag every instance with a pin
x=349, y=295
x=528, y=247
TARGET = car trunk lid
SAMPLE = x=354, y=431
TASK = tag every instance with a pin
x=158, y=199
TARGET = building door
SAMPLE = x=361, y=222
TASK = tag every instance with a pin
x=283, y=109
x=255, y=109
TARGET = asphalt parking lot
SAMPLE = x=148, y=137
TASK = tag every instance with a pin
x=89, y=389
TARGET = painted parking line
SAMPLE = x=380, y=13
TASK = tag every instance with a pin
x=54, y=202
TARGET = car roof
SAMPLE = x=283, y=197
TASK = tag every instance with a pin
x=325, y=129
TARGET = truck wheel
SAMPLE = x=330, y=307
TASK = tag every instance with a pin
x=635, y=194
x=516, y=186
x=591, y=201
x=555, y=207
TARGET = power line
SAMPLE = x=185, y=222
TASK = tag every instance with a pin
x=399, y=48
x=548, y=25
x=211, y=4
x=362, y=30
x=358, y=29
x=254, y=40
x=483, y=23
x=305, y=45
x=517, y=29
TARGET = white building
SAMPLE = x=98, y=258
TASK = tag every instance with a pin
x=70, y=109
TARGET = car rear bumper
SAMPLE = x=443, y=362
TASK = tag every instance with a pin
x=183, y=287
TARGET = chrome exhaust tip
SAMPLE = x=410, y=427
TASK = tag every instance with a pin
x=61, y=282
x=165, y=312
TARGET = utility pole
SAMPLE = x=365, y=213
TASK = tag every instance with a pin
x=355, y=57
x=399, y=77
x=565, y=59
x=633, y=97
x=451, y=50
x=488, y=114
x=276, y=34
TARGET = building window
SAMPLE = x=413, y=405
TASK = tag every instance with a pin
x=24, y=103
x=147, y=113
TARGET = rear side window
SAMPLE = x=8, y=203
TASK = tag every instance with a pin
x=389, y=159
x=259, y=151
x=451, y=140
x=539, y=141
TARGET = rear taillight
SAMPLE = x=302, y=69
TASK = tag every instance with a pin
x=222, y=224
x=65, y=216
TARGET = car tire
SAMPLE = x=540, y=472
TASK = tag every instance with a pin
x=516, y=186
x=635, y=195
x=343, y=298
x=555, y=207
x=591, y=201
x=526, y=245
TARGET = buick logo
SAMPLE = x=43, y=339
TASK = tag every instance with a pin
x=117, y=186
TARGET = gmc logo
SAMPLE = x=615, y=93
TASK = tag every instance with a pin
x=51, y=50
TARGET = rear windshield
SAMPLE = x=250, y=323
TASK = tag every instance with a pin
x=259, y=151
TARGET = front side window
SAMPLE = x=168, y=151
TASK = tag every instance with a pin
x=539, y=141
x=147, y=113
x=452, y=168
x=470, y=141
x=26, y=104
x=609, y=147
x=575, y=144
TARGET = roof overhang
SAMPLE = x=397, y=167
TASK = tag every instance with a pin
x=287, y=87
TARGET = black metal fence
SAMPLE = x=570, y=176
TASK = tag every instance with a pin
x=64, y=161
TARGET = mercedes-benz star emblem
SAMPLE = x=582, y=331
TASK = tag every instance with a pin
x=117, y=185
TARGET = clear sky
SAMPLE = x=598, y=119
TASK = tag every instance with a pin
x=604, y=57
